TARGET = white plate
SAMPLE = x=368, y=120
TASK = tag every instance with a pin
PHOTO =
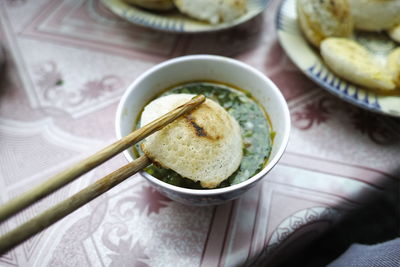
x=310, y=63
x=176, y=22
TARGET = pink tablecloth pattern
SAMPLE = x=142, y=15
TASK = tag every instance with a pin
x=67, y=64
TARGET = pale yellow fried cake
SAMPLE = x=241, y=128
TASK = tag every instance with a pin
x=320, y=19
x=394, y=66
x=212, y=11
x=394, y=33
x=205, y=145
x=158, y=5
x=354, y=63
x=375, y=15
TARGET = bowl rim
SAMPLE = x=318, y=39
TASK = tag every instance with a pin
x=216, y=191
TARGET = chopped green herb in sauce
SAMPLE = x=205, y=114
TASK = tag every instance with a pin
x=255, y=129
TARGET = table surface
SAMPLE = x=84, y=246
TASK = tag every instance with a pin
x=67, y=63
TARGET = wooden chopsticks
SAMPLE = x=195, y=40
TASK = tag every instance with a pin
x=57, y=212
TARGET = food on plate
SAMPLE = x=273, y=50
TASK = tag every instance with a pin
x=394, y=33
x=394, y=66
x=224, y=141
x=375, y=15
x=354, y=63
x=320, y=19
x=212, y=11
x=158, y=5
x=328, y=24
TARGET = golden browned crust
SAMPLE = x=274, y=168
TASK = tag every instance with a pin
x=320, y=19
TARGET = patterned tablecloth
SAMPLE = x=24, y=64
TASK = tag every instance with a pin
x=66, y=65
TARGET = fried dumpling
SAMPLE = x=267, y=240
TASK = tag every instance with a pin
x=320, y=19
x=212, y=11
x=375, y=15
x=354, y=63
x=204, y=145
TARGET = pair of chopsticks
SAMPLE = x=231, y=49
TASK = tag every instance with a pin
x=57, y=212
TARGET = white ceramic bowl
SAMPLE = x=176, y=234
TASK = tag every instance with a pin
x=205, y=68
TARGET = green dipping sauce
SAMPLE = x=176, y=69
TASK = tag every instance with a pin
x=255, y=129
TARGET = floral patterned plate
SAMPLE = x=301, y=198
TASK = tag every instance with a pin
x=310, y=63
x=176, y=22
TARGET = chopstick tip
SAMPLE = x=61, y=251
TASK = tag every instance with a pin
x=199, y=98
